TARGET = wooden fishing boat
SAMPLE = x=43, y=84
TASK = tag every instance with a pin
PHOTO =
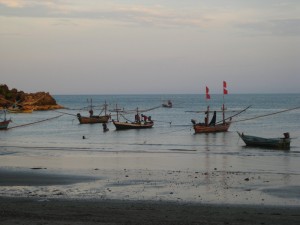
x=4, y=123
x=92, y=118
x=132, y=125
x=167, y=104
x=213, y=126
x=277, y=143
x=202, y=128
x=140, y=121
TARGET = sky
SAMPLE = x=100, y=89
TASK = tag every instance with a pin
x=150, y=47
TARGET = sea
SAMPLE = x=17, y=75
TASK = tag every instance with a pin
x=170, y=145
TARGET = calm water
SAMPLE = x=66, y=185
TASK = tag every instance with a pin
x=164, y=146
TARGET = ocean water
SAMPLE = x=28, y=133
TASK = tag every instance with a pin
x=170, y=145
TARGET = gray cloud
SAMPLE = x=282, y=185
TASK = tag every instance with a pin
x=130, y=14
x=283, y=27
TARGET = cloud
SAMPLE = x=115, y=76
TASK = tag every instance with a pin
x=13, y=3
x=279, y=27
x=155, y=15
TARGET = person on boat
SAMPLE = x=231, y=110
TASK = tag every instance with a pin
x=150, y=120
x=206, y=118
x=91, y=112
x=137, y=118
x=286, y=135
x=144, y=117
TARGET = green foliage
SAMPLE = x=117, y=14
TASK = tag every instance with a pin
x=8, y=95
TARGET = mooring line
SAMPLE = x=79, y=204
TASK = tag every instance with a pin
x=40, y=121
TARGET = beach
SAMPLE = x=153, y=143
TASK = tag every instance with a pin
x=35, y=196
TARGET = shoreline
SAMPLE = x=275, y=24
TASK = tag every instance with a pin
x=212, y=187
x=64, y=211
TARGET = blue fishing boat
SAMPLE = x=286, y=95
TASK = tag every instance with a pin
x=277, y=143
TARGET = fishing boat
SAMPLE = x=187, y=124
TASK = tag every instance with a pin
x=277, y=143
x=141, y=121
x=132, y=125
x=92, y=118
x=213, y=126
x=167, y=104
x=4, y=123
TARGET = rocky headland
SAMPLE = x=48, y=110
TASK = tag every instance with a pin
x=13, y=98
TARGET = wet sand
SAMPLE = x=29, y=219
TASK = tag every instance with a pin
x=32, y=211
x=36, y=196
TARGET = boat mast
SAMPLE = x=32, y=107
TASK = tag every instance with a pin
x=117, y=112
x=225, y=92
x=223, y=110
x=207, y=97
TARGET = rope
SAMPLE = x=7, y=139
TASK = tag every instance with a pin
x=270, y=114
x=66, y=113
x=221, y=121
x=126, y=118
x=23, y=125
x=169, y=122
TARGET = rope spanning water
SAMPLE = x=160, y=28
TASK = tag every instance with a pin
x=40, y=121
x=66, y=113
x=269, y=114
x=229, y=118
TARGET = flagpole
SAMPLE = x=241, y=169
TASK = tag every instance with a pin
x=223, y=108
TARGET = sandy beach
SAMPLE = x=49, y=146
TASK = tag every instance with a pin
x=35, y=196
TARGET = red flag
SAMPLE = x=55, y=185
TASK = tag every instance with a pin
x=207, y=93
x=225, y=91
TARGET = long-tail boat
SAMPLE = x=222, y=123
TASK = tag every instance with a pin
x=212, y=126
x=92, y=118
x=4, y=123
x=167, y=104
x=277, y=143
x=140, y=122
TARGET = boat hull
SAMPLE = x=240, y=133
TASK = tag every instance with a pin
x=126, y=125
x=93, y=119
x=4, y=124
x=166, y=106
x=278, y=143
x=202, y=128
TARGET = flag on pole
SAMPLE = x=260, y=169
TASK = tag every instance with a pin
x=207, y=93
x=225, y=91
